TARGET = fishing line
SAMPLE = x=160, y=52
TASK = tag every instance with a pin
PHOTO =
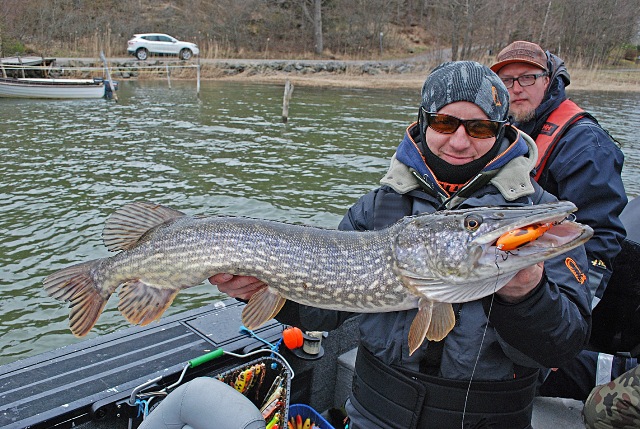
x=484, y=333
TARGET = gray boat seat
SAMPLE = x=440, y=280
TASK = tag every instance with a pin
x=204, y=403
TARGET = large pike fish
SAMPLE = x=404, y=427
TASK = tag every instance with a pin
x=426, y=261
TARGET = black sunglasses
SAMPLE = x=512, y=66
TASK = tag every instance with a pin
x=524, y=80
x=447, y=124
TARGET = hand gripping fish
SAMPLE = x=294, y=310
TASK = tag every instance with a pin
x=426, y=261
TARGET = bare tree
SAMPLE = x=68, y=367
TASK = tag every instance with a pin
x=456, y=10
x=544, y=23
x=591, y=30
x=316, y=21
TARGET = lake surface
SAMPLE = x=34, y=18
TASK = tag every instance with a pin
x=66, y=165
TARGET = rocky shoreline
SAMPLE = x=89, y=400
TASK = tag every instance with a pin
x=127, y=68
x=312, y=67
x=408, y=73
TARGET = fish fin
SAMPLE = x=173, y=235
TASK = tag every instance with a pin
x=141, y=303
x=442, y=321
x=433, y=322
x=420, y=324
x=264, y=305
x=75, y=285
x=127, y=225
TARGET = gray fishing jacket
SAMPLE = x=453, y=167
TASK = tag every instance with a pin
x=544, y=330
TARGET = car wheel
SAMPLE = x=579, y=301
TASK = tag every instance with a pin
x=185, y=54
x=142, y=54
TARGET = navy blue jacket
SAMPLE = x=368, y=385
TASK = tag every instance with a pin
x=584, y=168
x=544, y=330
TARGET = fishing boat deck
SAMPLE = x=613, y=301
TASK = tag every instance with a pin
x=86, y=385
x=87, y=380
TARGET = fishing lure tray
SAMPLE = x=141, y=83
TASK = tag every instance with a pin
x=306, y=412
x=268, y=387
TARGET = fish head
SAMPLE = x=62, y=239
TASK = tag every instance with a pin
x=456, y=247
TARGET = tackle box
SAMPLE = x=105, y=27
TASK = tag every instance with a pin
x=261, y=387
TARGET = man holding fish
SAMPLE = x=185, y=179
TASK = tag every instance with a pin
x=481, y=361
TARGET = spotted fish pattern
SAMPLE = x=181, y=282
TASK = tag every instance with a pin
x=425, y=262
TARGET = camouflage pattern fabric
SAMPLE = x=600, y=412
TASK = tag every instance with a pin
x=615, y=404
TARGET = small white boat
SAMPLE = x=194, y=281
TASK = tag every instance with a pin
x=52, y=88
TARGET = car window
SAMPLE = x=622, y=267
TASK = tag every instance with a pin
x=164, y=39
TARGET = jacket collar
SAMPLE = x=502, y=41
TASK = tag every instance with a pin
x=509, y=172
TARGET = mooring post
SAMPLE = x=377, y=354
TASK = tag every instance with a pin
x=198, y=79
x=168, y=75
x=106, y=69
x=288, y=90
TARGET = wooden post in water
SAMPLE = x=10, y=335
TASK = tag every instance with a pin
x=288, y=91
x=198, y=79
x=106, y=69
x=168, y=75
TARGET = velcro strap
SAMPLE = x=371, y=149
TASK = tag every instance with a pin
x=507, y=404
x=386, y=393
x=484, y=396
x=404, y=399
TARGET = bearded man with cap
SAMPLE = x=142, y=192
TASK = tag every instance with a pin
x=577, y=161
x=460, y=153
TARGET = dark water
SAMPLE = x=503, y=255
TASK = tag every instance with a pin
x=619, y=114
x=66, y=165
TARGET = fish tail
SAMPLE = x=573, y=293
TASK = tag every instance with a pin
x=75, y=285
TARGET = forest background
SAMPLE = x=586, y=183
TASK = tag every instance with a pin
x=588, y=32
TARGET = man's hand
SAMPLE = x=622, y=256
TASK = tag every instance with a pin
x=524, y=282
x=242, y=287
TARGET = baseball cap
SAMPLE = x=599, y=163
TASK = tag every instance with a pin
x=466, y=81
x=521, y=52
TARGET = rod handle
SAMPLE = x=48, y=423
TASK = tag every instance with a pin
x=206, y=358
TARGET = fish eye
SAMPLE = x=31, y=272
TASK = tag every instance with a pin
x=472, y=222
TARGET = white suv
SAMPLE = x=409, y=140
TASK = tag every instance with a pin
x=155, y=43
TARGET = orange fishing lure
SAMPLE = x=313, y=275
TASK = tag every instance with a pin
x=519, y=237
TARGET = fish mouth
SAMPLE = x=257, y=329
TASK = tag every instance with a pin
x=562, y=234
x=479, y=267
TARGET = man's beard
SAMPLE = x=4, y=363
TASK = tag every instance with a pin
x=523, y=117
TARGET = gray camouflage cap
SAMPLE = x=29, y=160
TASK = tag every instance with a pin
x=466, y=81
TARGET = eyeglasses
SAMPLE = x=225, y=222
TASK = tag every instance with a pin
x=524, y=80
x=447, y=124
